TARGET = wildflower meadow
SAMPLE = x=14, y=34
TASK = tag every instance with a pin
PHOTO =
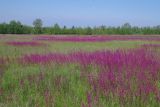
x=79, y=71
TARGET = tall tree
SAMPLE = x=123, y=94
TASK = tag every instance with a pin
x=126, y=26
x=88, y=31
x=57, y=29
x=38, y=26
x=15, y=27
x=3, y=28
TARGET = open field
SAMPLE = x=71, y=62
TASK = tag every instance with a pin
x=79, y=71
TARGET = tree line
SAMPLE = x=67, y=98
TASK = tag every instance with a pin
x=16, y=27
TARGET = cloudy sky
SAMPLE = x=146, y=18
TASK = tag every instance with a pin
x=82, y=12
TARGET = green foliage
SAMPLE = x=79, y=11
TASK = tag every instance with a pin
x=15, y=27
x=37, y=26
x=57, y=85
x=3, y=28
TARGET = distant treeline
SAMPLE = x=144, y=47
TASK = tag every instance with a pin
x=16, y=27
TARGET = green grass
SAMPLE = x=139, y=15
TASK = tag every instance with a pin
x=65, y=84
x=67, y=47
x=53, y=85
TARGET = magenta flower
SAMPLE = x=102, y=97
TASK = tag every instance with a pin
x=25, y=43
x=96, y=38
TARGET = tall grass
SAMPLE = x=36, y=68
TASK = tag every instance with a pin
x=30, y=77
x=129, y=77
x=33, y=43
x=96, y=38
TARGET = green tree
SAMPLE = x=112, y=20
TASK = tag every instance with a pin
x=56, y=29
x=126, y=25
x=38, y=26
x=12, y=27
x=3, y=28
x=15, y=27
x=126, y=28
x=89, y=31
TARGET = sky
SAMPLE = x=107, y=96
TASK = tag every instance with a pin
x=82, y=12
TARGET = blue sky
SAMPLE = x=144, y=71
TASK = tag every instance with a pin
x=82, y=12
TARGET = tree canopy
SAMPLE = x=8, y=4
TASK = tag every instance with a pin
x=37, y=26
x=15, y=27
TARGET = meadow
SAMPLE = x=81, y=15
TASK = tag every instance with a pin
x=79, y=71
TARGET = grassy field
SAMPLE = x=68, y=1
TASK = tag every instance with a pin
x=55, y=73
